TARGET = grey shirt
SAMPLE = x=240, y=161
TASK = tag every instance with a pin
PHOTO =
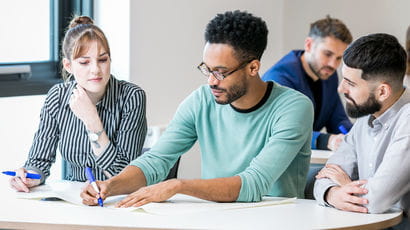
x=377, y=150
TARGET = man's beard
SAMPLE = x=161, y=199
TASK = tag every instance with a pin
x=315, y=69
x=232, y=94
x=369, y=107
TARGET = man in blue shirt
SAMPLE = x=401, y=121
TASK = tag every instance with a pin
x=312, y=71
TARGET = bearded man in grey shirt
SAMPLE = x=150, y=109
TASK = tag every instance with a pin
x=370, y=172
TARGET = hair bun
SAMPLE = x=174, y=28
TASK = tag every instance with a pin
x=80, y=20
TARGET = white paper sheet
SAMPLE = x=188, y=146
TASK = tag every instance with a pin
x=66, y=190
x=176, y=205
x=183, y=204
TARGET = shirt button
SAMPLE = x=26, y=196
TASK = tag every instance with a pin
x=371, y=165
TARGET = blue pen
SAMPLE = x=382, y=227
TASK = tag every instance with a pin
x=343, y=129
x=28, y=175
x=90, y=177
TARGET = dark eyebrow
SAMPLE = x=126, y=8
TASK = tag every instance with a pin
x=329, y=51
x=216, y=67
x=348, y=80
x=103, y=54
x=332, y=53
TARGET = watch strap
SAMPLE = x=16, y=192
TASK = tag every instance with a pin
x=94, y=140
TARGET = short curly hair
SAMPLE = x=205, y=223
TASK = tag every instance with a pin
x=246, y=33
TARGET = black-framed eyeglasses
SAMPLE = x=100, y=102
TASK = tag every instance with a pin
x=218, y=75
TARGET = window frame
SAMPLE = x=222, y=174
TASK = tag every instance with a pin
x=45, y=74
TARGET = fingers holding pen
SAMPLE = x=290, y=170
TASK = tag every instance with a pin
x=90, y=196
x=20, y=182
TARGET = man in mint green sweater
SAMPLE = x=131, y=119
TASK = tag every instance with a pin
x=254, y=135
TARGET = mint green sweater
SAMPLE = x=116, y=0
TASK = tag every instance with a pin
x=269, y=148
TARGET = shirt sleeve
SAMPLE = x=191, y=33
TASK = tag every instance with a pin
x=179, y=136
x=322, y=140
x=279, y=77
x=391, y=179
x=129, y=140
x=42, y=153
x=346, y=158
x=290, y=133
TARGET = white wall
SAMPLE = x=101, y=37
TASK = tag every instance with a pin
x=361, y=17
x=18, y=122
x=167, y=42
x=113, y=17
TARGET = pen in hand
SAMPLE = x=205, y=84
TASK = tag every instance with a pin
x=28, y=175
x=343, y=129
x=90, y=177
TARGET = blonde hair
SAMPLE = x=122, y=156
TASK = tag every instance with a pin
x=76, y=40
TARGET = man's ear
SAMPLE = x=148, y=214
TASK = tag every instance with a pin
x=383, y=91
x=308, y=44
x=254, y=67
x=67, y=65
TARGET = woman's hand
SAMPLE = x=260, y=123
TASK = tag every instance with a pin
x=21, y=183
x=82, y=106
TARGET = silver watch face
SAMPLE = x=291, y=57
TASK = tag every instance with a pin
x=93, y=136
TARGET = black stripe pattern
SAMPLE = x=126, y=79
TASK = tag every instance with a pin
x=122, y=112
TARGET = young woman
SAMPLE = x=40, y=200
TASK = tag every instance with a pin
x=93, y=119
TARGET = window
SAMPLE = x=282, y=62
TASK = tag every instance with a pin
x=14, y=45
x=30, y=43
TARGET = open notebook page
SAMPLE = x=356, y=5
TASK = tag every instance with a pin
x=178, y=204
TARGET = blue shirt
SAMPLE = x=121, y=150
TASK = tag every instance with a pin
x=289, y=72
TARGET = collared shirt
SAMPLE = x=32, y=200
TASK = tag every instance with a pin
x=122, y=112
x=406, y=81
x=377, y=150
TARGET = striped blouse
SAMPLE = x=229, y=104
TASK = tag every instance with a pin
x=122, y=112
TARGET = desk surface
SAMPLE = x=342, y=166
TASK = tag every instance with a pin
x=320, y=156
x=303, y=214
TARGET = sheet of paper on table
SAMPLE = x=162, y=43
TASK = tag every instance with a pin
x=69, y=191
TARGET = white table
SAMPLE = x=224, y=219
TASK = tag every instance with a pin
x=303, y=214
x=320, y=156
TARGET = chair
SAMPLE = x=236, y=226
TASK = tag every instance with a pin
x=313, y=170
x=64, y=170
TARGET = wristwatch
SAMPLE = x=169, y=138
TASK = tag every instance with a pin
x=93, y=136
